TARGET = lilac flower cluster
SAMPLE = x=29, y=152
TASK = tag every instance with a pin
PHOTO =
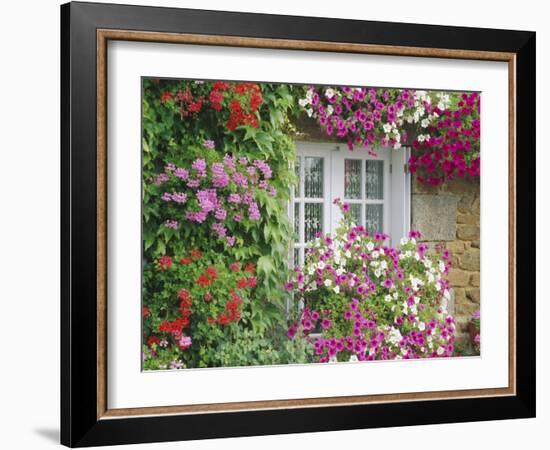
x=373, y=301
x=217, y=192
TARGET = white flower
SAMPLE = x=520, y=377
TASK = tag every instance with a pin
x=330, y=110
x=383, y=265
x=441, y=265
x=328, y=282
x=329, y=93
x=388, y=298
x=421, y=326
x=321, y=265
x=309, y=112
x=382, y=252
x=353, y=358
x=425, y=123
x=420, y=138
x=440, y=351
x=336, y=289
x=438, y=286
x=332, y=360
x=378, y=273
x=303, y=102
x=311, y=270
x=370, y=246
x=348, y=254
x=387, y=128
x=404, y=240
x=339, y=271
x=375, y=254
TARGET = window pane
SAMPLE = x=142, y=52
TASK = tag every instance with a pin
x=296, y=257
x=356, y=210
x=375, y=218
x=297, y=188
x=313, y=223
x=296, y=222
x=374, y=186
x=352, y=178
x=313, y=177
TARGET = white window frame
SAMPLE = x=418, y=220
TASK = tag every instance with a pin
x=397, y=188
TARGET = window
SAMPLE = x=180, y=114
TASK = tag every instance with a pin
x=377, y=189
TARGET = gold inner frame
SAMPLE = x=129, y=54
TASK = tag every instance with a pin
x=103, y=36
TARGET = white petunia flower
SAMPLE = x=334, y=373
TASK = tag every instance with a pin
x=387, y=128
x=421, y=326
x=353, y=358
x=329, y=93
x=336, y=289
x=327, y=282
x=370, y=246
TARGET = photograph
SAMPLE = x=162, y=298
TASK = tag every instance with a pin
x=287, y=223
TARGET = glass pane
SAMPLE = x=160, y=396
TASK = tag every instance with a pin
x=296, y=222
x=374, y=186
x=355, y=210
x=313, y=177
x=313, y=220
x=297, y=173
x=352, y=178
x=375, y=218
x=296, y=257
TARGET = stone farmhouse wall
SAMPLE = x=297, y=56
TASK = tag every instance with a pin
x=448, y=216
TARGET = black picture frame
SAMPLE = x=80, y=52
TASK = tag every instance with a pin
x=80, y=425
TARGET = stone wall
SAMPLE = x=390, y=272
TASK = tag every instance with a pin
x=448, y=215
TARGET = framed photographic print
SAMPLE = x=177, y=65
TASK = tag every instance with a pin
x=276, y=224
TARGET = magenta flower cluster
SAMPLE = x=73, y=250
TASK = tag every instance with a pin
x=362, y=116
x=451, y=146
x=373, y=301
x=216, y=192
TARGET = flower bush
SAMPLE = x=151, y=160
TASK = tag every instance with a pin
x=221, y=193
x=445, y=127
x=197, y=315
x=371, y=301
x=217, y=169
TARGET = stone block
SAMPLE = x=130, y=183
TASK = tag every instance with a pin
x=473, y=295
x=434, y=216
x=467, y=232
x=455, y=247
x=458, y=278
x=474, y=279
x=469, y=219
x=470, y=260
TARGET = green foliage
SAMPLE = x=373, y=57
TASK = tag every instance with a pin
x=241, y=120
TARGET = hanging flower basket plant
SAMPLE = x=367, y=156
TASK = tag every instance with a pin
x=446, y=127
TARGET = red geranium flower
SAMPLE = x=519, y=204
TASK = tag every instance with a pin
x=211, y=320
x=241, y=283
x=146, y=312
x=153, y=340
x=208, y=297
x=165, y=262
x=165, y=96
x=251, y=282
x=196, y=254
x=212, y=273
x=183, y=294
x=235, y=267
x=185, y=261
x=250, y=268
x=220, y=86
x=203, y=281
